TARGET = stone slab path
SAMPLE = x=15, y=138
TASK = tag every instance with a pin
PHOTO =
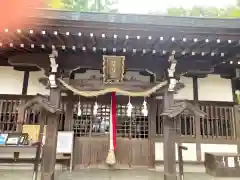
x=97, y=174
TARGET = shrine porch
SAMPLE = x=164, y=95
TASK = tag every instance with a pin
x=94, y=174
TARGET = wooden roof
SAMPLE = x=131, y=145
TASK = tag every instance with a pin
x=179, y=107
x=41, y=102
x=193, y=22
x=201, y=45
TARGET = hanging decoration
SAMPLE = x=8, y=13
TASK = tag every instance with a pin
x=145, y=93
x=54, y=68
x=95, y=108
x=111, y=158
x=129, y=108
x=79, y=111
x=144, y=108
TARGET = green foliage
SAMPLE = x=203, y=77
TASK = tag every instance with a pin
x=199, y=11
x=85, y=5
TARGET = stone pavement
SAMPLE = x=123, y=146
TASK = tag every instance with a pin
x=97, y=174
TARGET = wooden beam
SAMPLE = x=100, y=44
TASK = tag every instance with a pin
x=197, y=120
x=153, y=106
x=25, y=83
x=169, y=132
x=49, y=149
x=39, y=145
x=68, y=122
x=195, y=88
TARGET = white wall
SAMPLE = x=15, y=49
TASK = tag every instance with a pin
x=214, y=88
x=11, y=81
x=34, y=86
x=190, y=155
x=187, y=91
x=219, y=148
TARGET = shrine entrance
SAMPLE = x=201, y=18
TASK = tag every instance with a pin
x=92, y=133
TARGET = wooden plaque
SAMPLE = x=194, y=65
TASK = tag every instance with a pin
x=113, y=69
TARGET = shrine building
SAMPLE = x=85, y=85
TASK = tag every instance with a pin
x=166, y=75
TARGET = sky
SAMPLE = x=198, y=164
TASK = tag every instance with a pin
x=140, y=6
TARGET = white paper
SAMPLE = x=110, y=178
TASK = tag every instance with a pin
x=231, y=162
x=65, y=142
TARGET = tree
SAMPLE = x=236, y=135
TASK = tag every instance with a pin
x=202, y=11
x=238, y=3
x=199, y=11
x=85, y=5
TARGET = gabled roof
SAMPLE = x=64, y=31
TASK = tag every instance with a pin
x=178, y=86
x=179, y=107
x=237, y=107
x=42, y=102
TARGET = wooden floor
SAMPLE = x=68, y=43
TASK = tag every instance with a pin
x=96, y=174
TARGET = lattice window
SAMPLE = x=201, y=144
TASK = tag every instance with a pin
x=32, y=116
x=89, y=125
x=218, y=123
x=159, y=125
x=184, y=124
x=135, y=126
x=8, y=115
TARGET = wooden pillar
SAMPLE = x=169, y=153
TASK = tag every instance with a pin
x=197, y=120
x=25, y=83
x=43, y=114
x=237, y=123
x=68, y=123
x=152, y=130
x=169, y=133
x=235, y=91
x=49, y=149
